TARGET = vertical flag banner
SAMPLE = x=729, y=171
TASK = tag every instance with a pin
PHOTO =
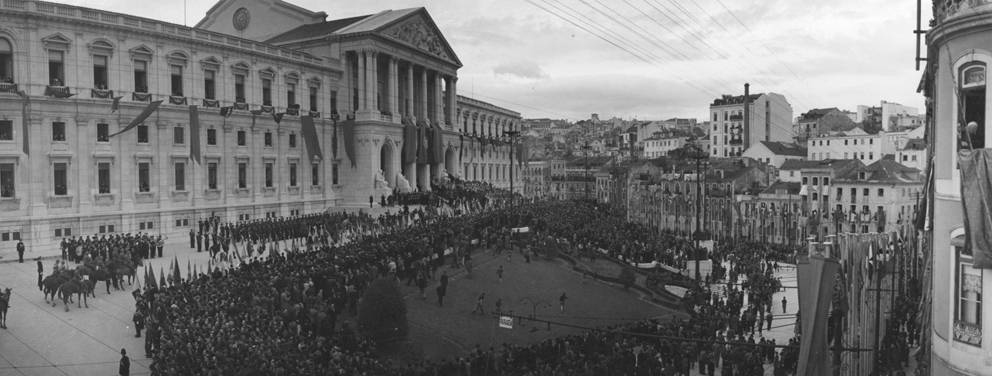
x=349, y=139
x=25, y=106
x=461, y=146
x=439, y=144
x=254, y=114
x=421, y=142
x=149, y=110
x=116, y=106
x=194, y=134
x=976, y=191
x=409, y=141
x=312, y=140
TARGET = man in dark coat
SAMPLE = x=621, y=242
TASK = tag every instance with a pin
x=20, y=251
x=125, y=368
x=41, y=272
x=192, y=239
x=199, y=242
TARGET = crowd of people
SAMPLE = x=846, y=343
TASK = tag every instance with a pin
x=288, y=313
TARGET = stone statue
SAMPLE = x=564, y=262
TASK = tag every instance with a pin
x=402, y=184
x=380, y=181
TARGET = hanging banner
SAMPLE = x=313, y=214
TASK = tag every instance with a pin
x=312, y=139
x=506, y=322
x=152, y=107
x=349, y=139
x=409, y=141
x=194, y=134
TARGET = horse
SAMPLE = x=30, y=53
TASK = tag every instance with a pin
x=51, y=285
x=104, y=275
x=4, y=304
x=73, y=287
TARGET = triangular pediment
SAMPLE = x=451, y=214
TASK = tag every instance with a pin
x=57, y=40
x=418, y=30
x=141, y=51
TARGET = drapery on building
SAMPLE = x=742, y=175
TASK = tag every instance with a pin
x=955, y=86
x=71, y=178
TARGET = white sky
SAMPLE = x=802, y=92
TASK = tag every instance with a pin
x=818, y=53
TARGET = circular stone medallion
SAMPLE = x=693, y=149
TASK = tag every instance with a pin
x=241, y=19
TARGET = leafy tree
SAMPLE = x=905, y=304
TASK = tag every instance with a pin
x=627, y=277
x=382, y=312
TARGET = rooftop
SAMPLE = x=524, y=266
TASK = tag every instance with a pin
x=785, y=148
x=315, y=30
x=829, y=164
x=791, y=188
x=883, y=171
x=730, y=99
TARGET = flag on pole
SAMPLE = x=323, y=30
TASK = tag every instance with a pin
x=278, y=117
x=194, y=134
x=189, y=270
x=25, y=107
x=226, y=111
x=409, y=141
x=172, y=272
x=210, y=267
x=161, y=277
x=151, y=277
x=178, y=278
x=149, y=110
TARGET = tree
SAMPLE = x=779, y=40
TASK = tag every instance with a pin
x=382, y=312
x=627, y=277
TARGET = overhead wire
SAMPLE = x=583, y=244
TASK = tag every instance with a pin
x=621, y=39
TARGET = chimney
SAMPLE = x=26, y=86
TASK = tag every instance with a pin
x=747, y=116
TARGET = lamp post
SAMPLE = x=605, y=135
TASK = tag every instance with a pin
x=586, y=147
x=698, y=154
x=511, y=135
x=535, y=304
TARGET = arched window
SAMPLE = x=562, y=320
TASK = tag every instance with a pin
x=6, y=61
x=973, y=100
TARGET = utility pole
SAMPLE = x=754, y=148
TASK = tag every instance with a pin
x=586, y=148
x=698, y=154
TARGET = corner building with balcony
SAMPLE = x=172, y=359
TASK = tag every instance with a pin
x=959, y=50
x=68, y=177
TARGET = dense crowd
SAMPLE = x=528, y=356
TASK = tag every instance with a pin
x=285, y=314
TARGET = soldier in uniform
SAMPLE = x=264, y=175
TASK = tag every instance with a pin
x=160, y=243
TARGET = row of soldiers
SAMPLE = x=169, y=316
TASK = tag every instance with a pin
x=139, y=246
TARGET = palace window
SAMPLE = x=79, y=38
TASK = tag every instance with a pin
x=140, y=76
x=968, y=307
x=99, y=72
x=292, y=140
x=268, y=175
x=58, y=131
x=6, y=61
x=177, y=80
x=209, y=85
x=266, y=92
x=61, y=179
x=334, y=174
x=268, y=139
x=103, y=133
x=56, y=68
x=313, y=98
x=972, y=97
x=142, y=134
x=103, y=178
x=292, y=174
x=881, y=192
x=211, y=175
x=334, y=101
x=7, y=180
x=242, y=175
x=179, y=135
x=315, y=174
x=144, y=178
x=6, y=130
x=211, y=137
x=290, y=94
x=180, y=176
x=242, y=139
x=239, y=88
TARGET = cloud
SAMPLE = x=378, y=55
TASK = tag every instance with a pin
x=522, y=69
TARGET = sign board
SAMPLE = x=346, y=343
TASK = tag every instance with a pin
x=520, y=229
x=506, y=322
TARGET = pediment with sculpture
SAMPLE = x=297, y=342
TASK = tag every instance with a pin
x=422, y=35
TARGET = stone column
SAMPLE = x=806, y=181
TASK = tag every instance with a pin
x=372, y=85
x=452, y=96
x=348, y=84
x=409, y=91
x=422, y=102
x=439, y=99
x=394, y=86
x=362, y=81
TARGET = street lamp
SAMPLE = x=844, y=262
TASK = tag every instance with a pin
x=698, y=154
x=586, y=148
x=512, y=135
x=535, y=304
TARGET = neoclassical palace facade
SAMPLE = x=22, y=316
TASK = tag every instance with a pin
x=70, y=175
